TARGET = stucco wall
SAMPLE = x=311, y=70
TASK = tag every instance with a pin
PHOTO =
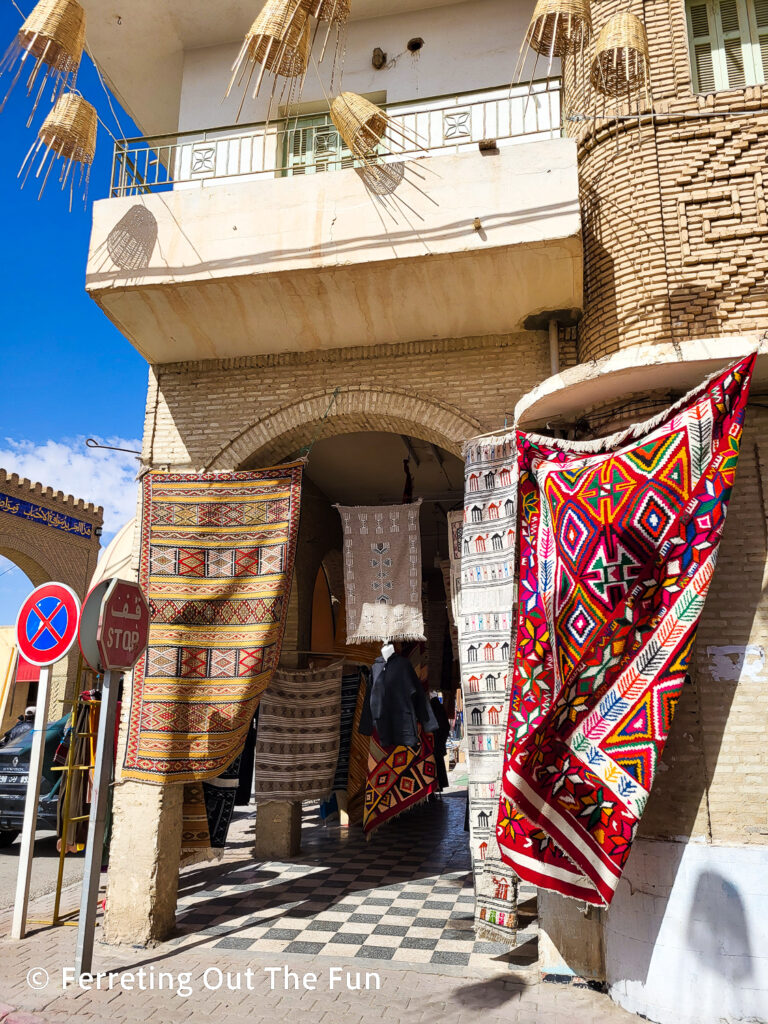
x=467, y=46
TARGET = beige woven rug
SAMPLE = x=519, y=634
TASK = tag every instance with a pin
x=298, y=739
x=382, y=572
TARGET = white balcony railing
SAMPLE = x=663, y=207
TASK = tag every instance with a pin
x=311, y=145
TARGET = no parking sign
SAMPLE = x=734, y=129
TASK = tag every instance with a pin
x=45, y=631
x=47, y=624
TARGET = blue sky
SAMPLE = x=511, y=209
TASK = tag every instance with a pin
x=67, y=372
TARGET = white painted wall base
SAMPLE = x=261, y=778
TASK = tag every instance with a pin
x=686, y=938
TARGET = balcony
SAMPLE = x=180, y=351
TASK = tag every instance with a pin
x=268, y=238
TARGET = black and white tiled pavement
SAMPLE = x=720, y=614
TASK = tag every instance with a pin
x=404, y=896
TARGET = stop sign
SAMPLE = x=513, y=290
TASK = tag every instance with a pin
x=123, y=626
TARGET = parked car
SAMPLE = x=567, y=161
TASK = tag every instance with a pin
x=15, y=754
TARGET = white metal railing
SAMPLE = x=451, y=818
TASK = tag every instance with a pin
x=310, y=144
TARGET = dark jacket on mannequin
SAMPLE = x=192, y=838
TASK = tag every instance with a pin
x=399, y=703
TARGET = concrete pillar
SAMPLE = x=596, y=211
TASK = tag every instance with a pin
x=143, y=878
x=278, y=830
x=570, y=938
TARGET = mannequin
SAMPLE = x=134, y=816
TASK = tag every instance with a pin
x=387, y=651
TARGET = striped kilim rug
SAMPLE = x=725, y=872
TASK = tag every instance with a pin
x=217, y=555
x=297, y=746
x=618, y=545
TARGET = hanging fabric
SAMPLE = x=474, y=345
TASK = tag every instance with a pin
x=382, y=572
x=485, y=595
x=297, y=748
x=217, y=555
x=619, y=539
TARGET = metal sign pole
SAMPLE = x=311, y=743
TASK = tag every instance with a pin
x=24, y=878
x=95, y=844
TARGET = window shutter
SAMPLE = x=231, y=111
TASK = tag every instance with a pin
x=761, y=22
x=702, y=47
x=733, y=44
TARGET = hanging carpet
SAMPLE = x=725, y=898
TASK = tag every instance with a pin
x=482, y=567
x=358, y=755
x=351, y=682
x=217, y=555
x=382, y=572
x=297, y=747
x=399, y=778
x=207, y=813
x=618, y=544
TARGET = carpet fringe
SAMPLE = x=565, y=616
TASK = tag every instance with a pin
x=399, y=814
x=491, y=934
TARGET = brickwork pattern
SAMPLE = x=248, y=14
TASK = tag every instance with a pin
x=674, y=212
x=243, y=412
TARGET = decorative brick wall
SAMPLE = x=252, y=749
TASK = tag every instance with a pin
x=254, y=411
x=674, y=212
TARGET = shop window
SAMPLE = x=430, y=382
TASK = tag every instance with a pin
x=728, y=43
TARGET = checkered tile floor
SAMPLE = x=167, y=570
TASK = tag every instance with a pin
x=405, y=896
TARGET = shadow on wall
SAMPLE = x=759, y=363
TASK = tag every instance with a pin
x=131, y=242
x=718, y=930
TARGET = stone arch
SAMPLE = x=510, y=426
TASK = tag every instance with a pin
x=26, y=556
x=355, y=408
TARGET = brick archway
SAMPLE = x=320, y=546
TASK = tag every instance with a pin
x=357, y=408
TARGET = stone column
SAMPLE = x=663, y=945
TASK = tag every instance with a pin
x=278, y=830
x=143, y=878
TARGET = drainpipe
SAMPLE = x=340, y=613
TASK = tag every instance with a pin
x=554, y=347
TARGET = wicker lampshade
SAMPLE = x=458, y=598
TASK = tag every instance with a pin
x=360, y=123
x=70, y=129
x=559, y=27
x=68, y=133
x=279, y=39
x=328, y=10
x=620, y=64
x=54, y=37
x=55, y=34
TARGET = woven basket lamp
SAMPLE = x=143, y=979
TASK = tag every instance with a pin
x=279, y=40
x=559, y=27
x=361, y=124
x=53, y=36
x=620, y=65
x=68, y=134
x=328, y=10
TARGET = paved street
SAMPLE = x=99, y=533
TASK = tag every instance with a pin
x=349, y=931
x=45, y=868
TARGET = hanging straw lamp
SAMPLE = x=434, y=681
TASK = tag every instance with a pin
x=279, y=40
x=365, y=128
x=361, y=124
x=53, y=36
x=68, y=134
x=328, y=10
x=559, y=27
x=621, y=63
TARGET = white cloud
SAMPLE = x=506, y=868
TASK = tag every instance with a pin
x=106, y=478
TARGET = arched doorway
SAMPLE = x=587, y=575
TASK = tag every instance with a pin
x=340, y=889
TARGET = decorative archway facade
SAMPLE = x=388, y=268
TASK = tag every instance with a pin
x=50, y=536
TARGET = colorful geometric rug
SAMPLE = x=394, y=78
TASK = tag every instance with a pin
x=485, y=593
x=297, y=746
x=399, y=778
x=382, y=572
x=217, y=554
x=351, y=682
x=619, y=539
